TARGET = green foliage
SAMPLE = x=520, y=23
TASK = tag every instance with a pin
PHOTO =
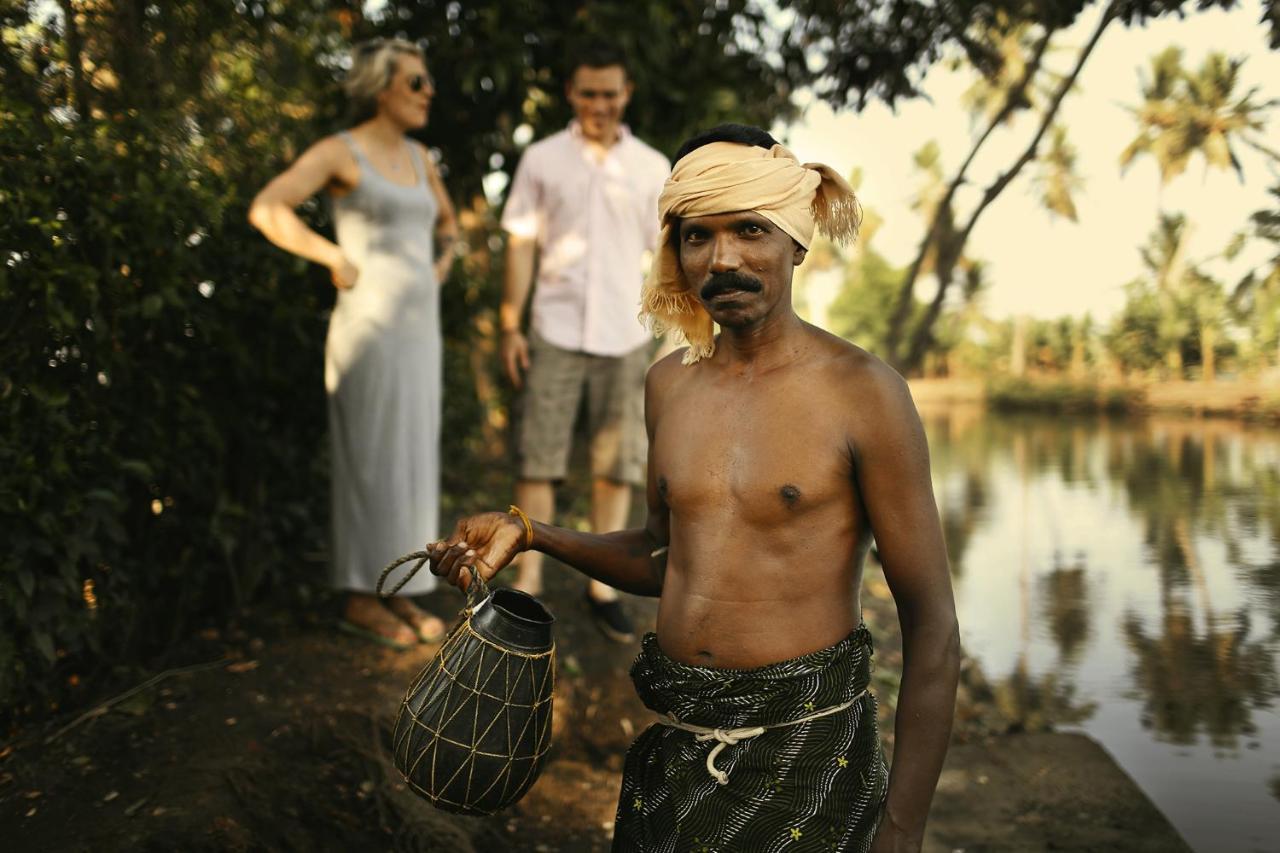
x=162, y=453
x=882, y=48
x=1134, y=336
x=860, y=312
x=1255, y=303
x=1056, y=179
x=161, y=391
x=1176, y=316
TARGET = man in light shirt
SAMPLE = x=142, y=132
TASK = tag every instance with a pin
x=583, y=205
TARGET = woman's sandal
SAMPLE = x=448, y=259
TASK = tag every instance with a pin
x=372, y=636
x=370, y=619
x=428, y=627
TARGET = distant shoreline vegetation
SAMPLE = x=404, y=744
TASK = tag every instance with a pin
x=1249, y=401
x=1062, y=395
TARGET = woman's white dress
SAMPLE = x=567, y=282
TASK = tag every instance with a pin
x=383, y=378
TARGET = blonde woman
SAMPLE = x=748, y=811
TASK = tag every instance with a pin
x=395, y=228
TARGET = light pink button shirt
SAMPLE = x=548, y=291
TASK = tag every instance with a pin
x=593, y=222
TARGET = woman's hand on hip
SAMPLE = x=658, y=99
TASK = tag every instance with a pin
x=344, y=274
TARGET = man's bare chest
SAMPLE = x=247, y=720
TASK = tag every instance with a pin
x=771, y=457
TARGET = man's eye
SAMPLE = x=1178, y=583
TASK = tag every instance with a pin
x=752, y=229
x=693, y=236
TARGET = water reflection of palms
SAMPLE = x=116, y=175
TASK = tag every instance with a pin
x=1192, y=682
x=1183, y=479
x=1064, y=596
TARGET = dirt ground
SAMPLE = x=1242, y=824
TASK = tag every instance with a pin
x=280, y=743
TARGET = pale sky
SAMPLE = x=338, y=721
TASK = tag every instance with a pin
x=1050, y=267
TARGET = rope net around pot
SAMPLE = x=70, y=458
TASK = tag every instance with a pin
x=475, y=723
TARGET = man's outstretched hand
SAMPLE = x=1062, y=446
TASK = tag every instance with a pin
x=488, y=542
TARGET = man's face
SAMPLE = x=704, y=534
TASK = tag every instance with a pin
x=738, y=264
x=599, y=96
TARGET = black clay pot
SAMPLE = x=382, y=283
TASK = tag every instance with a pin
x=476, y=722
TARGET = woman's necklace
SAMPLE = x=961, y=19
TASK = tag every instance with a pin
x=397, y=161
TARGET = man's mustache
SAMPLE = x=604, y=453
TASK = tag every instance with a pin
x=723, y=282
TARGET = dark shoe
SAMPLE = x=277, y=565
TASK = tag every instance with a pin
x=612, y=620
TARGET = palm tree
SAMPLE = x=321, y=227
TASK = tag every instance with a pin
x=1257, y=297
x=1016, y=85
x=1164, y=257
x=1186, y=113
x=1056, y=180
x=1182, y=114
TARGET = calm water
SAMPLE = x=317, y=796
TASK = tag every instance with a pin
x=1122, y=578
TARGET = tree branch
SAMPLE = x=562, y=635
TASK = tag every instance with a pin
x=902, y=307
x=924, y=332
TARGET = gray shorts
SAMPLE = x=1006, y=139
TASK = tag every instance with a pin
x=553, y=390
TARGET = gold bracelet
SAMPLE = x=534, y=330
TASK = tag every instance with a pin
x=528, y=525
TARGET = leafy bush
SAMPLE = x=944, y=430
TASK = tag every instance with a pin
x=161, y=453
x=1014, y=394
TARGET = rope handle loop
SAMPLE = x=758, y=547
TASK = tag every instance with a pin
x=423, y=557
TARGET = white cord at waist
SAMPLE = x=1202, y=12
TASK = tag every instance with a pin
x=728, y=737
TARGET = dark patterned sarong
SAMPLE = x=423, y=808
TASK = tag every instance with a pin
x=811, y=786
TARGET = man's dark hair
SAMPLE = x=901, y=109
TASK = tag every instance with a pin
x=597, y=54
x=743, y=134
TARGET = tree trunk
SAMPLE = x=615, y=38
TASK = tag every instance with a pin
x=947, y=257
x=1208, y=361
x=1018, y=356
x=1077, y=359
x=902, y=307
x=1170, y=283
x=75, y=58
x=1173, y=360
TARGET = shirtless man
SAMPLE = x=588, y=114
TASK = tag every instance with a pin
x=777, y=453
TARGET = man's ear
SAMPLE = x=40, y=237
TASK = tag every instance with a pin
x=798, y=256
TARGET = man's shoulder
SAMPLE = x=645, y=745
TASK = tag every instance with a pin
x=665, y=370
x=859, y=375
x=548, y=146
x=648, y=154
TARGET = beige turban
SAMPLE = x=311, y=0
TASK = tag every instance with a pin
x=723, y=177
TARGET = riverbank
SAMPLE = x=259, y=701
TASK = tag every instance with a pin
x=1249, y=399
x=282, y=744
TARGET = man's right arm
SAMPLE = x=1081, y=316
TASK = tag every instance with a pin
x=894, y=481
x=522, y=219
x=517, y=281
